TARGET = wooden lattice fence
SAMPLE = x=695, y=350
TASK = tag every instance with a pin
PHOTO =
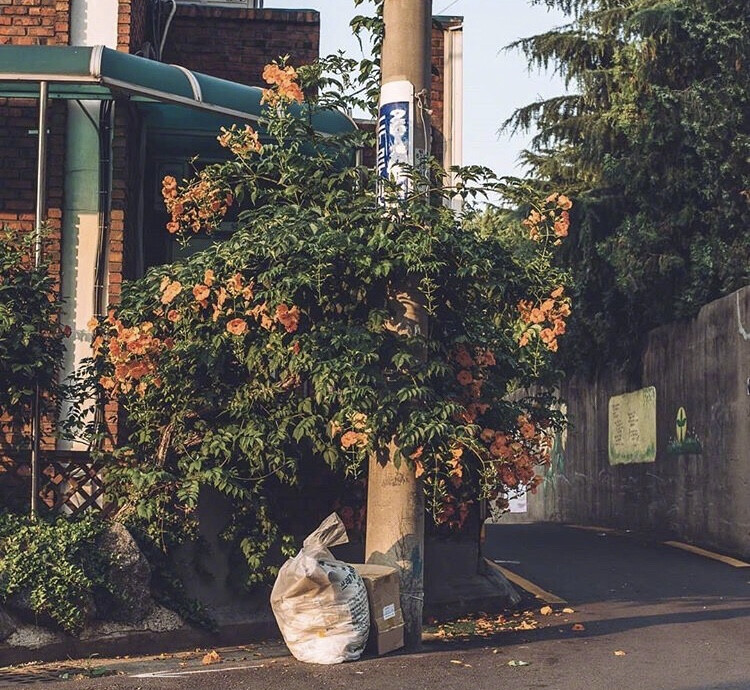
x=70, y=482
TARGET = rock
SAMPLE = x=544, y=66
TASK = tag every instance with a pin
x=130, y=576
x=160, y=620
x=20, y=605
x=33, y=637
x=163, y=620
x=7, y=626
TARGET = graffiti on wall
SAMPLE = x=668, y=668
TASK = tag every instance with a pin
x=555, y=469
x=632, y=427
x=685, y=441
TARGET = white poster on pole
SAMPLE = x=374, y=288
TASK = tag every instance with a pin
x=518, y=503
x=395, y=133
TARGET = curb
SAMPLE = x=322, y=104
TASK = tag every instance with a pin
x=142, y=643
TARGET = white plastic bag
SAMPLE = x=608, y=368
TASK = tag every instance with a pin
x=320, y=603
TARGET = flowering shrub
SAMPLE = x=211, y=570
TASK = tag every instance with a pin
x=31, y=336
x=199, y=206
x=239, y=364
x=284, y=87
x=544, y=322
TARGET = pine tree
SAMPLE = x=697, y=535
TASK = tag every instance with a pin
x=654, y=141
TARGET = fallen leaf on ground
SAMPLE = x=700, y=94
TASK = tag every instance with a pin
x=619, y=652
x=496, y=651
x=567, y=609
x=578, y=627
x=518, y=662
x=526, y=625
x=545, y=610
x=213, y=657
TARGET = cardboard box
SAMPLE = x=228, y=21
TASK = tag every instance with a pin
x=386, y=619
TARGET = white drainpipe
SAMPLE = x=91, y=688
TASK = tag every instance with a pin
x=453, y=111
x=92, y=22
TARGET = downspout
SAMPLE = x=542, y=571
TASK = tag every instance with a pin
x=453, y=105
x=40, y=212
x=101, y=291
x=101, y=271
x=166, y=30
x=81, y=240
x=86, y=199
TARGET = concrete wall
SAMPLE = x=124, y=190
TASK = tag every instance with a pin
x=703, y=497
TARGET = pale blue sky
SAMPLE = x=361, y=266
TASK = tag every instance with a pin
x=495, y=81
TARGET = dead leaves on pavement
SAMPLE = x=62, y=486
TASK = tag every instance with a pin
x=487, y=625
x=213, y=657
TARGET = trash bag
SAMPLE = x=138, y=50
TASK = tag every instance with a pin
x=320, y=603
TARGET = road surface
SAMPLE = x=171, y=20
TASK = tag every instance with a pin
x=645, y=616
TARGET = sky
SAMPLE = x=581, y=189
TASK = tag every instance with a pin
x=496, y=82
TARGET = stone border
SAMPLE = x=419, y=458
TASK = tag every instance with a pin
x=130, y=641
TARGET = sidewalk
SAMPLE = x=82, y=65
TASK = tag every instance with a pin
x=449, y=642
x=645, y=615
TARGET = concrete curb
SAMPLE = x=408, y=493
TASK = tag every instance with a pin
x=142, y=642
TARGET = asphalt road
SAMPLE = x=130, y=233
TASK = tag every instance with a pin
x=678, y=621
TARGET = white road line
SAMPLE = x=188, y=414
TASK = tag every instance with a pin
x=734, y=562
x=594, y=528
x=193, y=672
x=529, y=586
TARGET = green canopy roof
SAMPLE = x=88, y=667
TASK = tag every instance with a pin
x=99, y=73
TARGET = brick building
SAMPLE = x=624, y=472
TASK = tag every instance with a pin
x=106, y=155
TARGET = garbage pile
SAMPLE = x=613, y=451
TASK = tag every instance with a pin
x=326, y=608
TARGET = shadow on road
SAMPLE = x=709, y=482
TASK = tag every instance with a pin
x=595, y=628
x=585, y=566
x=738, y=685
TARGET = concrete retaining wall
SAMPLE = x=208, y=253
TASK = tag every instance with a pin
x=701, y=497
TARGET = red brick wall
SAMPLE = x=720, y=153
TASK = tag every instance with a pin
x=27, y=22
x=437, y=90
x=440, y=26
x=131, y=25
x=236, y=44
x=131, y=34
x=34, y=22
x=31, y=22
x=230, y=43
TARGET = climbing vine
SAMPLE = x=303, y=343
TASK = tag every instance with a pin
x=235, y=367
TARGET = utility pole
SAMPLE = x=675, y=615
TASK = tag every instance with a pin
x=395, y=498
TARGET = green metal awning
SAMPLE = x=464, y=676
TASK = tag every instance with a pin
x=99, y=73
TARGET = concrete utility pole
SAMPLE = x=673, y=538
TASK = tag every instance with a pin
x=395, y=499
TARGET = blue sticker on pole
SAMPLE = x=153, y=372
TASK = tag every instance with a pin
x=395, y=136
